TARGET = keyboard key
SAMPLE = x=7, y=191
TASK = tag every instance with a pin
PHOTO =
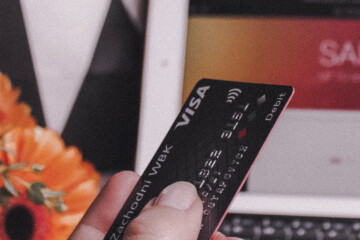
x=266, y=222
x=339, y=226
x=296, y=224
x=245, y=233
x=225, y=228
x=303, y=234
x=279, y=224
x=236, y=220
x=236, y=230
x=248, y=222
x=308, y=225
x=326, y=226
x=356, y=226
x=334, y=235
x=270, y=233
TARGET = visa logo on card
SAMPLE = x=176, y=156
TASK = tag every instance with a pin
x=194, y=103
x=212, y=144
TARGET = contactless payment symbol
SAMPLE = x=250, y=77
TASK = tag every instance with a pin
x=233, y=94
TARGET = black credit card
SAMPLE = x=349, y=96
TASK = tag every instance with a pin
x=212, y=144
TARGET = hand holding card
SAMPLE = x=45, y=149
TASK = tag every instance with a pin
x=212, y=144
x=175, y=215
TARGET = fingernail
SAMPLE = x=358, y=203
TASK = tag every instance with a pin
x=180, y=195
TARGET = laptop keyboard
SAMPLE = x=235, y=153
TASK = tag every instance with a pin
x=256, y=227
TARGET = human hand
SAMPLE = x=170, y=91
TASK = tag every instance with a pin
x=175, y=214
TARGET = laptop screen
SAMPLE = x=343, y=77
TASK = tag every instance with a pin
x=311, y=45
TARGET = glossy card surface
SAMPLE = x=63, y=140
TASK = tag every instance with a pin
x=212, y=144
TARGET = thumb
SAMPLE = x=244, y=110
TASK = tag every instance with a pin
x=176, y=214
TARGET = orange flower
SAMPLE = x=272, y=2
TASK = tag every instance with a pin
x=12, y=113
x=31, y=216
x=50, y=182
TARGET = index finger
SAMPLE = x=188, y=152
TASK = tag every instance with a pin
x=106, y=206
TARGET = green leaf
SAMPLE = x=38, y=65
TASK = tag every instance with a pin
x=16, y=166
x=47, y=193
x=8, y=185
x=5, y=196
x=37, y=168
x=60, y=206
x=39, y=194
x=35, y=194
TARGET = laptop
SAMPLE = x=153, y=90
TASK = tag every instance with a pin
x=305, y=183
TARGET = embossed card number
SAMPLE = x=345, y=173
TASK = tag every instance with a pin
x=213, y=144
